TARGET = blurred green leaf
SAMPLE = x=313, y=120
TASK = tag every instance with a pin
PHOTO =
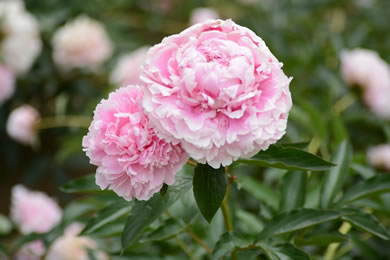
x=367, y=222
x=336, y=176
x=5, y=225
x=209, y=189
x=170, y=228
x=227, y=243
x=375, y=185
x=284, y=252
x=260, y=191
x=293, y=191
x=295, y=220
x=143, y=213
x=320, y=239
x=82, y=184
x=107, y=215
x=288, y=158
x=300, y=145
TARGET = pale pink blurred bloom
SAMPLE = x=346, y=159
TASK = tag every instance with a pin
x=82, y=43
x=366, y=69
x=379, y=156
x=128, y=68
x=21, y=124
x=131, y=159
x=362, y=67
x=21, y=44
x=7, y=84
x=31, y=251
x=216, y=89
x=70, y=246
x=33, y=211
x=199, y=15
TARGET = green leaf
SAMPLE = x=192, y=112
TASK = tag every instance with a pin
x=288, y=158
x=299, y=145
x=375, y=185
x=260, y=191
x=336, y=176
x=82, y=184
x=296, y=220
x=5, y=225
x=227, y=243
x=293, y=191
x=170, y=228
x=209, y=189
x=320, y=240
x=107, y=215
x=367, y=222
x=289, y=252
x=316, y=118
x=144, y=213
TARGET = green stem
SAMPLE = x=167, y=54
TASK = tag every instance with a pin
x=225, y=203
x=64, y=121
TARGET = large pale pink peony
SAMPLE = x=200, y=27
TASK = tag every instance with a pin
x=7, y=84
x=21, y=124
x=128, y=69
x=82, y=43
x=70, y=246
x=379, y=156
x=131, y=159
x=218, y=90
x=33, y=211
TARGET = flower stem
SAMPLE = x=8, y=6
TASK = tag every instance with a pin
x=332, y=248
x=225, y=203
x=64, y=121
x=191, y=162
x=199, y=241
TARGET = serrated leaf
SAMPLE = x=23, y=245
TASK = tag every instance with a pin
x=375, y=185
x=227, y=243
x=288, y=158
x=295, y=220
x=209, y=189
x=367, y=222
x=107, y=215
x=260, y=191
x=320, y=240
x=144, y=213
x=336, y=176
x=82, y=184
x=293, y=191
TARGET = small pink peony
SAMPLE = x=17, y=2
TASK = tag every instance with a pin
x=31, y=251
x=21, y=124
x=131, y=159
x=70, y=246
x=217, y=89
x=81, y=43
x=33, y=211
x=199, y=15
x=7, y=84
x=362, y=67
x=128, y=69
x=379, y=156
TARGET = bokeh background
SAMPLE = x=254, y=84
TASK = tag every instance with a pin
x=307, y=36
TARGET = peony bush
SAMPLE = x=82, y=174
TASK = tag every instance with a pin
x=185, y=130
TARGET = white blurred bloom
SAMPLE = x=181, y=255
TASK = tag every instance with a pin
x=129, y=68
x=31, y=251
x=199, y=15
x=21, y=44
x=73, y=247
x=81, y=43
x=21, y=124
x=379, y=156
